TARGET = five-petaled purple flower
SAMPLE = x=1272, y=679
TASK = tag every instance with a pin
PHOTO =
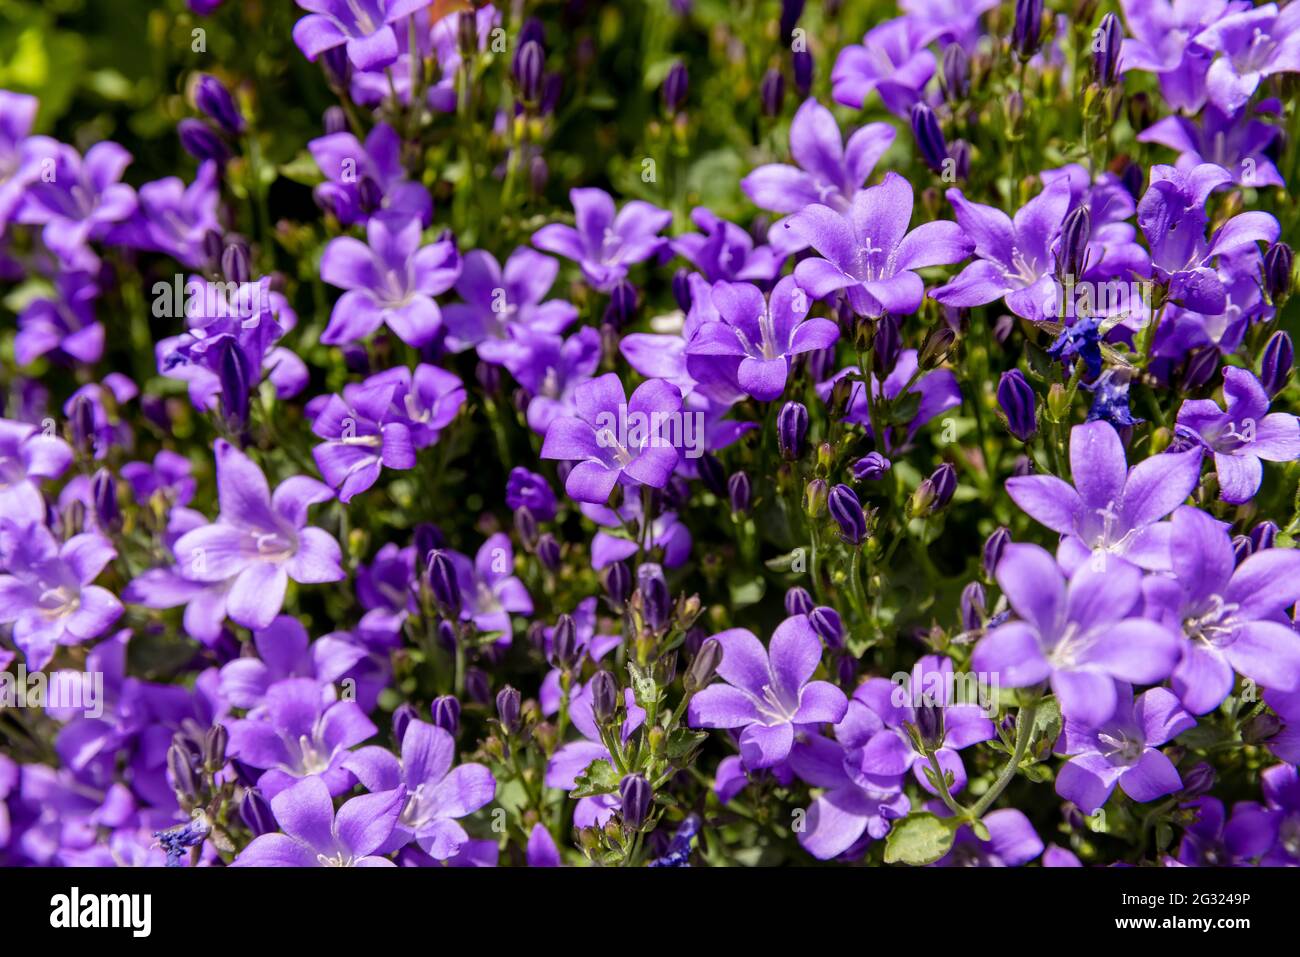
x=605, y=244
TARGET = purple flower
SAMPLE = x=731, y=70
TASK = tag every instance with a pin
x=435, y=793
x=382, y=423
x=1165, y=40
x=1015, y=257
x=1112, y=510
x=363, y=25
x=499, y=302
x=356, y=174
x=615, y=439
x=938, y=392
x=260, y=539
x=572, y=759
x=1255, y=45
x=768, y=692
x=78, y=199
x=17, y=114
x=1121, y=749
x=1083, y=635
x=724, y=252
x=667, y=532
x=552, y=369
x=829, y=171
x=1263, y=833
x=300, y=731
x=1172, y=217
x=169, y=477
x=1012, y=842
x=605, y=244
x=870, y=254
x=890, y=750
x=893, y=61
x=63, y=324
x=525, y=489
x=955, y=21
x=1240, y=437
x=385, y=589
x=391, y=281
x=28, y=456
x=1232, y=616
x=1239, y=143
x=489, y=588
x=313, y=836
x=175, y=219
x=756, y=338
x=46, y=591
x=285, y=651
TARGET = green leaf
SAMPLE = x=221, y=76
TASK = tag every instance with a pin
x=745, y=589
x=644, y=688
x=682, y=742
x=599, y=778
x=920, y=839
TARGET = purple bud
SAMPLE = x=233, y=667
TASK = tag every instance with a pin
x=1276, y=362
x=871, y=467
x=446, y=714
x=1242, y=548
x=1071, y=258
x=618, y=583
x=370, y=195
x=552, y=90
x=888, y=344
x=527, y=70
x=1199, y=780
x=682, y=289
x=234, y=384
x=215, y=102
x=199, y=141
x=476, y=685
x=622, y=304
x=1133, y=178
x=103, y=492
x=235, y=260
x=956, y=73
x=1278, y=264
x=604, y=696
x=337, y=66
x=1200, y=368
x=847, y=512
x=548, y=551
x=803, y=72
x=959, y=153
x=929, y=138
x=1264, y=535
x=994, y=546
x=771, y=93
x=712, y=474
x=1025, y=33
x=508, y=704
x=634, y=796
x=1106, y=40
x=929, y=722
x=426, y=537
x=791, y=11
x=334, y=120
x=403, y=715
x=826, y=622
x=675, y=87
x=791, y=430
x=564, y=643
x=738, y=491
x=974, y=606
x=256, y=813
x=526, y=526
x=705, y=664
x=444, y=584
x=944, y=483
x=656, y=603
x=1016, y=397
x=798, y=601
x=181, y=770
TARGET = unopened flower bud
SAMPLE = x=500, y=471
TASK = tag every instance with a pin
x=1279, y=262
x=956, y=73
x=798, y=601
x=655, y=600
x=937, y=347
x=403, y=715
x=103, y=493
x=446, y=714
x=256, y=813
x=634, y=797
x=215, y=102
x=738, y=490
x=929, y=137
x=994, y=546
x=802, y=68
x=814, y=498
x=618, y=583
x=444, y=584
x=847, y=512
x=871, y=467
x=604, y=696
x=548, y=551
x=771, y=92
x=826, y=622
x=675, y=87
x=1276, y=362
x=508, y=704
x=705, y=664
x=1018, y=402
x=791, y=430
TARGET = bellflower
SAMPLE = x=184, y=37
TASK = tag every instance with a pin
x=436, y=794
x=615, y=439
x=758, y=337
x=1255, y=43
x=724, y=252
x=17, y=114
x=284, y=651
x=46, y=591
x=893, y=61
x=300, y=731
x=364, y=26
x=1230, y=615
x=1082, y=635
x=552, y=369
x=1263, y=833
x=870, y=254
x=938, y=392
x=829, y=171
x=1241, y=436
x=346, y=165
x=1122, y=749
x=259, y=539
x=1165, y=38
x=768, y=691
x=572, y=759
x=500, y=301
x=173, y=218
x=314, y=836
x=1012, y=842
x=391, y=281
x=489, y=589
x=603, y=243
x=81, y=199
x=1112, y=511
x=1239, y=143
x=63, y=324
x=28, y=457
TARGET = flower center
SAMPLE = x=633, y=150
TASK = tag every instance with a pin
x=1215, y=625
